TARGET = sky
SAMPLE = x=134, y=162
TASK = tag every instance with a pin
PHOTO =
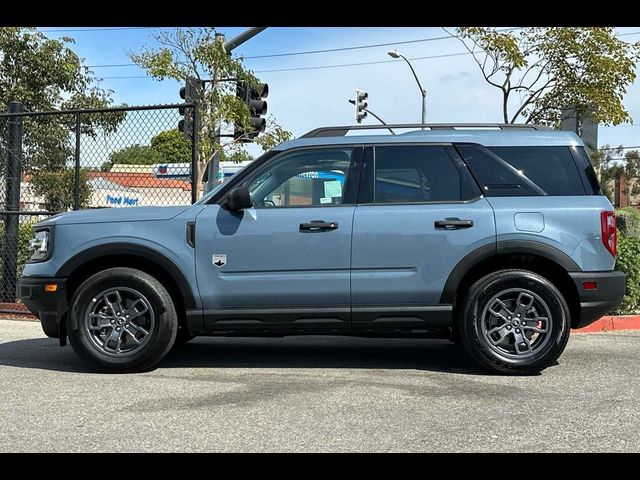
x=303, y=98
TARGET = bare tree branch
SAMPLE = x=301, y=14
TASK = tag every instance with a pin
x=531, y=98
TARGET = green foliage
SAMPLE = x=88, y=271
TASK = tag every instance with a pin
x=237, y=156
x=610, y=163
x=628, y=261
x=628, y=258
x=132, y=155
x=628, y=220
x=45, y=74
x=25, y=233
x=169, y=146
x=548, y=68
x=58, y=189
x=199, y=53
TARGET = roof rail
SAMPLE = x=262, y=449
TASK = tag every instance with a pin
x=341, y=131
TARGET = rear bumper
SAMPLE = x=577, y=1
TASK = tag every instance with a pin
x=594, y=303
x=49, y=307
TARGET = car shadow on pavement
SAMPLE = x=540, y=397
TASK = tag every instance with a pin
x=289, y=352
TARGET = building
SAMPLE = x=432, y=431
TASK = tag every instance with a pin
x=624, y=191
x=128, y=188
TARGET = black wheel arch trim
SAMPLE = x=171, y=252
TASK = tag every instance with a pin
x=122, y=248
x=501, y=248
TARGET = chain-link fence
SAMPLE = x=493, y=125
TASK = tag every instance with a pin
x=54, y=162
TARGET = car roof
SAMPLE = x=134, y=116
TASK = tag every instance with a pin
x=488, y=138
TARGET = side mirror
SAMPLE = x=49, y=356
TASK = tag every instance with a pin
x=238, y=199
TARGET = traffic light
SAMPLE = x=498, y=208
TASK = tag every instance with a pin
x=254, y=99
x=191, y=93
x=361, y=105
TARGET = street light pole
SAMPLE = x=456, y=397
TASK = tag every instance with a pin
x=423, y=92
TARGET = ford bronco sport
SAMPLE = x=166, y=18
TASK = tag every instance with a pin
x=499, y=234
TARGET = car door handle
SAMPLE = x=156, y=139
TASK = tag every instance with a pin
x=318, y=226
x=452, y=224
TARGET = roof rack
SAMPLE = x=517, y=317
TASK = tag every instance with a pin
x=341, y=131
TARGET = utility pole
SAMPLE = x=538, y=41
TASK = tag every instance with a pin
x=214, y=165
x=581, y=124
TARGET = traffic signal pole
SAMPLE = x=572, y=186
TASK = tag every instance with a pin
x=214, y=164
x=243, y=37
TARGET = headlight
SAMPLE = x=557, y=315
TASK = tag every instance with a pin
x=39, y=246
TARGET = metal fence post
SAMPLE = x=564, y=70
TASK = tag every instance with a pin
x=76, y=193
x=195, y=125
x=12, y=175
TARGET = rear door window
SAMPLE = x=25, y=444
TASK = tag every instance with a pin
x=417, y=174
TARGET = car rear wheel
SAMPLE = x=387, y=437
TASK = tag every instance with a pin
x=122, y=320
x=514, y=322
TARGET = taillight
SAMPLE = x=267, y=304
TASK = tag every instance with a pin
x=609, y=231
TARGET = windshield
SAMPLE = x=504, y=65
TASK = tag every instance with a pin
x=210, y=194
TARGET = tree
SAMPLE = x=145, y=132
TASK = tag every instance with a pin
x=540, y=70
x=237, y=156
x=58, y=189
x=168, y=146
x=132, y=155
x=199, y=53
x=45, y=74
x=602, y=160
x=632, y=163
x=171, y=147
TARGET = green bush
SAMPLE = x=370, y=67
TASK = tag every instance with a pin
x=25, y=233
x=629, y=222
x=628, y=261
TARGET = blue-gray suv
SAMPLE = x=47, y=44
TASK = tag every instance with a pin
x=498, y=235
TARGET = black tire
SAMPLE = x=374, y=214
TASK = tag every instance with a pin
x=475, y=328
x=50, y=328
x=183, y=337
x=161, y=333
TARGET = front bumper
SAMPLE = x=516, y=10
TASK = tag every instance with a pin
x=49, y=307
x=594, y=303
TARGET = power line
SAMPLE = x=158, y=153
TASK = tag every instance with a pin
x=620, y=148
x=329, y=50
x=359, y=47
x=321, y=67
x=114, y=65
x=102, y=29
x=325, y=66
x=126, y=77
x=341, y=49
x=317, y=67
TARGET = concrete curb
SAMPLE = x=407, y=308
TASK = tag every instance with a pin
x=611, y=322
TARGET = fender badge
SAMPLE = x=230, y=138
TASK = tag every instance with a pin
x=219, y=259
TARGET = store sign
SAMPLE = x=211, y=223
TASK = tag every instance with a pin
x=177, y=171
x=122, y=200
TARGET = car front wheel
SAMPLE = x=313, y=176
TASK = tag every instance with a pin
x=122, y=320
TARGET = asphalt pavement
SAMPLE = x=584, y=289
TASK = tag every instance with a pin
x=302, y=394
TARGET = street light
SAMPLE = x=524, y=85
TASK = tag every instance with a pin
x=423, y=92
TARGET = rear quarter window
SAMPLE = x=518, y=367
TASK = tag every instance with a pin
x=523, y=171
x=551, y=168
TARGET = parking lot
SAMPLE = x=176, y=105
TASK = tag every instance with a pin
x=318, y=394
